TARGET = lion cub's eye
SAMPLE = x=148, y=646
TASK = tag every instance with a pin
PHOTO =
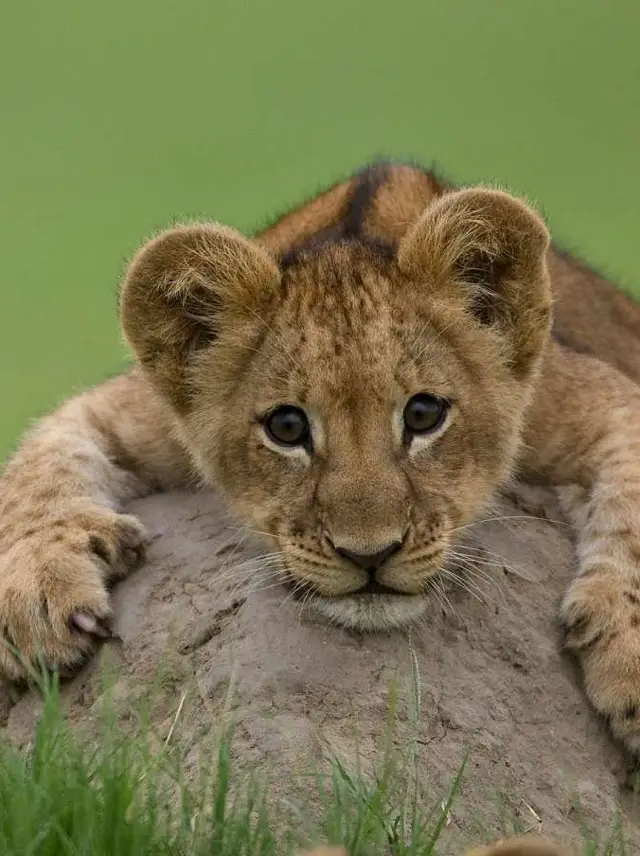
x=424, y=413
x=287, y=426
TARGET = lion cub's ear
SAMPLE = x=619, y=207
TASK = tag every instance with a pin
x=178, y=289
x=490, y=249
x=530, y=845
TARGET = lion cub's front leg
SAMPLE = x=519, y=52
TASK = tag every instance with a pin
x=63, y=536
x=585, y=428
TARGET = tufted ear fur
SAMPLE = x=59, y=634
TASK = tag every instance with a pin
x=493, y=248
x=177, y=289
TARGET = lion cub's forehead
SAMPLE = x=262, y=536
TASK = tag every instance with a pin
x=347, y=326
x=340, y=298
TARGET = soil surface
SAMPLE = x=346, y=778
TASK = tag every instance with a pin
x=492, y=679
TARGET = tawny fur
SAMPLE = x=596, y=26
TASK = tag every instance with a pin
x=528, y=845
x=384, y=286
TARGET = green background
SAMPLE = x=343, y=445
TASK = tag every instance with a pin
x=117, y=117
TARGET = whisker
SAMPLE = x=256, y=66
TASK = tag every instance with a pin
x=245, y=571
x=467, y=585
x=306, y=597
x=481, y=569
x=251, y=529
x=482, y=566
x=435, y=585
x=263, y=581
x=478, y=554
x=266, y=586
x=504, y=518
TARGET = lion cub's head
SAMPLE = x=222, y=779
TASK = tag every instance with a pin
x=358, y=403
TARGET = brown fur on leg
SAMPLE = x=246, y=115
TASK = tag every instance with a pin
x=530, y=845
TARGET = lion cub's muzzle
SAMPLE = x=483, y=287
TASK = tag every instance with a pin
x=371, y=563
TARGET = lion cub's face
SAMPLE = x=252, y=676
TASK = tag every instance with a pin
x=365, y=428
x=358, y=406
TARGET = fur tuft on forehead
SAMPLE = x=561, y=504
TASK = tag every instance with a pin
x=372, y=252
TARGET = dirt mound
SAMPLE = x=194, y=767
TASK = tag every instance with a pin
x=492, y=679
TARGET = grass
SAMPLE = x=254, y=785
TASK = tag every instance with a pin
x=60, y=798
x=125, y=795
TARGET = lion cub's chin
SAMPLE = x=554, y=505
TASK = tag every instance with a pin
x=371, y=613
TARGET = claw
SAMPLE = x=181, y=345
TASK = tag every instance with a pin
x=90, y=624
x=133, y=537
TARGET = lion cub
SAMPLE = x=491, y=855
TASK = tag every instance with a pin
x=360, y=380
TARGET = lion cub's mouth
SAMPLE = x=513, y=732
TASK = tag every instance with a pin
x=373, y=587
x=300, y=592
x=374, y=608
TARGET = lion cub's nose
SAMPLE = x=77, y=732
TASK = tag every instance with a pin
x=370, y=561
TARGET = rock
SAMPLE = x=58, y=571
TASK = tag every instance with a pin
x=492, y=680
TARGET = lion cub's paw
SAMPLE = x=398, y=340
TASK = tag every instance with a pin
x=601, y=615
x=54, y=604
x=326, y=851
x=530, y=845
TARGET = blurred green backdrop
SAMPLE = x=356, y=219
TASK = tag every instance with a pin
x=120, y=116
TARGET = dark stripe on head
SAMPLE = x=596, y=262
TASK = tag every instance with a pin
x=358, y=206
